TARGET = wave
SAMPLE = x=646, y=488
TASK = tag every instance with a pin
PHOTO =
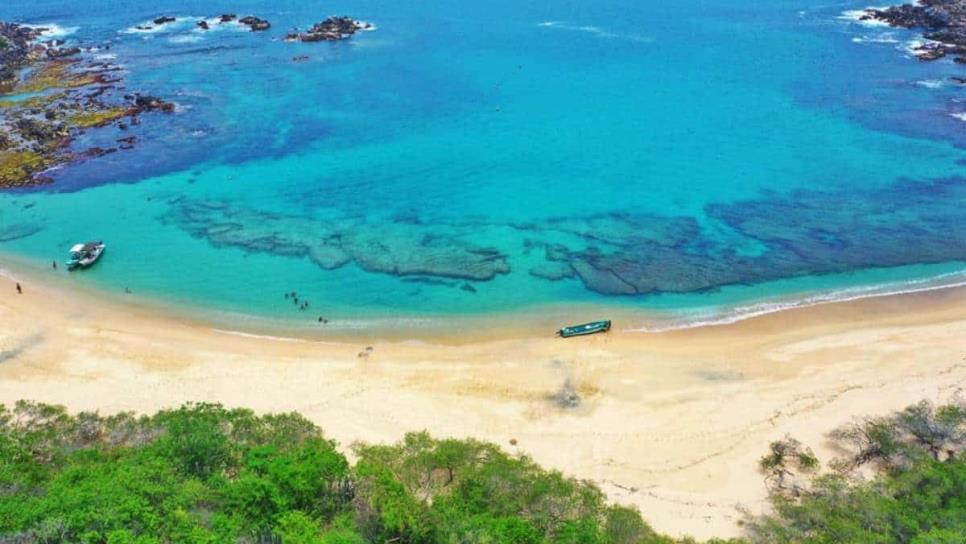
x=185, y=38
x=260, y=336
x=885, y=37
x=931, y=83
x=855, y=16
x=53, y=30
x=595, y=31
x=727, y=316
x=959, y=115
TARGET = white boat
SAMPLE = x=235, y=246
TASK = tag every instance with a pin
x=84, y=255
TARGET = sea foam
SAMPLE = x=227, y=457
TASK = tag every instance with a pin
x=734, y=314
x=855, y=16
x=53, y=30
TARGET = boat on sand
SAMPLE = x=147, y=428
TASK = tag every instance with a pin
x=584, y=329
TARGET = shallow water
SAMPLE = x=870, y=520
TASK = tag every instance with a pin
x=465, y=159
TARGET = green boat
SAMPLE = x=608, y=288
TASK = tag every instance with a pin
x=586, y=328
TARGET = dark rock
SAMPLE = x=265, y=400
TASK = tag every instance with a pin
x=63, y=52
x=468, y=288
x=164, y=19
x=203, y=25
x=331, y=29
x=227, y=17
x=255, y=23
x=147, y=103
x=943, y=22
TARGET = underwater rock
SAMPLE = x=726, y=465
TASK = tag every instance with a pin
x=18, y=230
x=553, y=271
x=799, y=234
x=396, y=249
x=331, y=29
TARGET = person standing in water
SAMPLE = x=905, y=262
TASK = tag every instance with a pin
x=55, y=264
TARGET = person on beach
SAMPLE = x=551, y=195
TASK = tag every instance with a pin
x=54, y=263
x=19, y=289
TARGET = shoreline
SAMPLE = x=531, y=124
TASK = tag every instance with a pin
x=536, y=321
x=672, y=422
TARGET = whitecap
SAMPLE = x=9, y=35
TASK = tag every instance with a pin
x=886, y=37
x=148, y=27
x=185, y=38
x=595, y=31
x=959, y=115
x=105, y=56
x=53, y=30
x=855, y=16
x=931, y=83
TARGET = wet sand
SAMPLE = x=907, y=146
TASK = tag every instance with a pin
x=672, y=422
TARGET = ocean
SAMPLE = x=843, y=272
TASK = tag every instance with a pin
x=680, y=163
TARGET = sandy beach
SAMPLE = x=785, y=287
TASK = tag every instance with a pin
x=672, y=422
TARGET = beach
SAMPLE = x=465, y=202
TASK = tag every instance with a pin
x=671, y=422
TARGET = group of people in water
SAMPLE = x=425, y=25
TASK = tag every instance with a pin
x=304, y=305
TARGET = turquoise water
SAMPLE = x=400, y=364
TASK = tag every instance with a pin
x=473, y=158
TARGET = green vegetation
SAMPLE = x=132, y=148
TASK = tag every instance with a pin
x=56, y=74
x=4, y=43
x=206, y=474
x=917, y=493
x=97, y=118
x=18, y=167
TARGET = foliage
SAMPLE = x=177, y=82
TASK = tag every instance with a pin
x=206, y=474
x=917, y=494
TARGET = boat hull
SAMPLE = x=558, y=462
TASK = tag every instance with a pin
x=584, y=329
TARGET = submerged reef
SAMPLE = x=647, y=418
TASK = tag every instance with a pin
x=398, y=249
x=48, y=97
x=943, y=22
x=331, y=29
x=772, y=237
x=804, y=233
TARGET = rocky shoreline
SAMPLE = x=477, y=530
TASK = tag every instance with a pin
x=50, y=94
x=943, y=23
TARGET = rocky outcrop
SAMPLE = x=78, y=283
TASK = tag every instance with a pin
x=147, y=103
x=331, y=29
x=943, y=22
x=255, y=24
x=72, y=95
x=164, y=19
x=63, y=52
x=16, y=48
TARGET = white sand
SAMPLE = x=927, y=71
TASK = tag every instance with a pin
x=671, y=422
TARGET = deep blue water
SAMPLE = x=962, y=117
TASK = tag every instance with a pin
x=467, y=158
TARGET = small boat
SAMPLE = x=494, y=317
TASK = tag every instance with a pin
x=586, y=328
x=84, y=255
